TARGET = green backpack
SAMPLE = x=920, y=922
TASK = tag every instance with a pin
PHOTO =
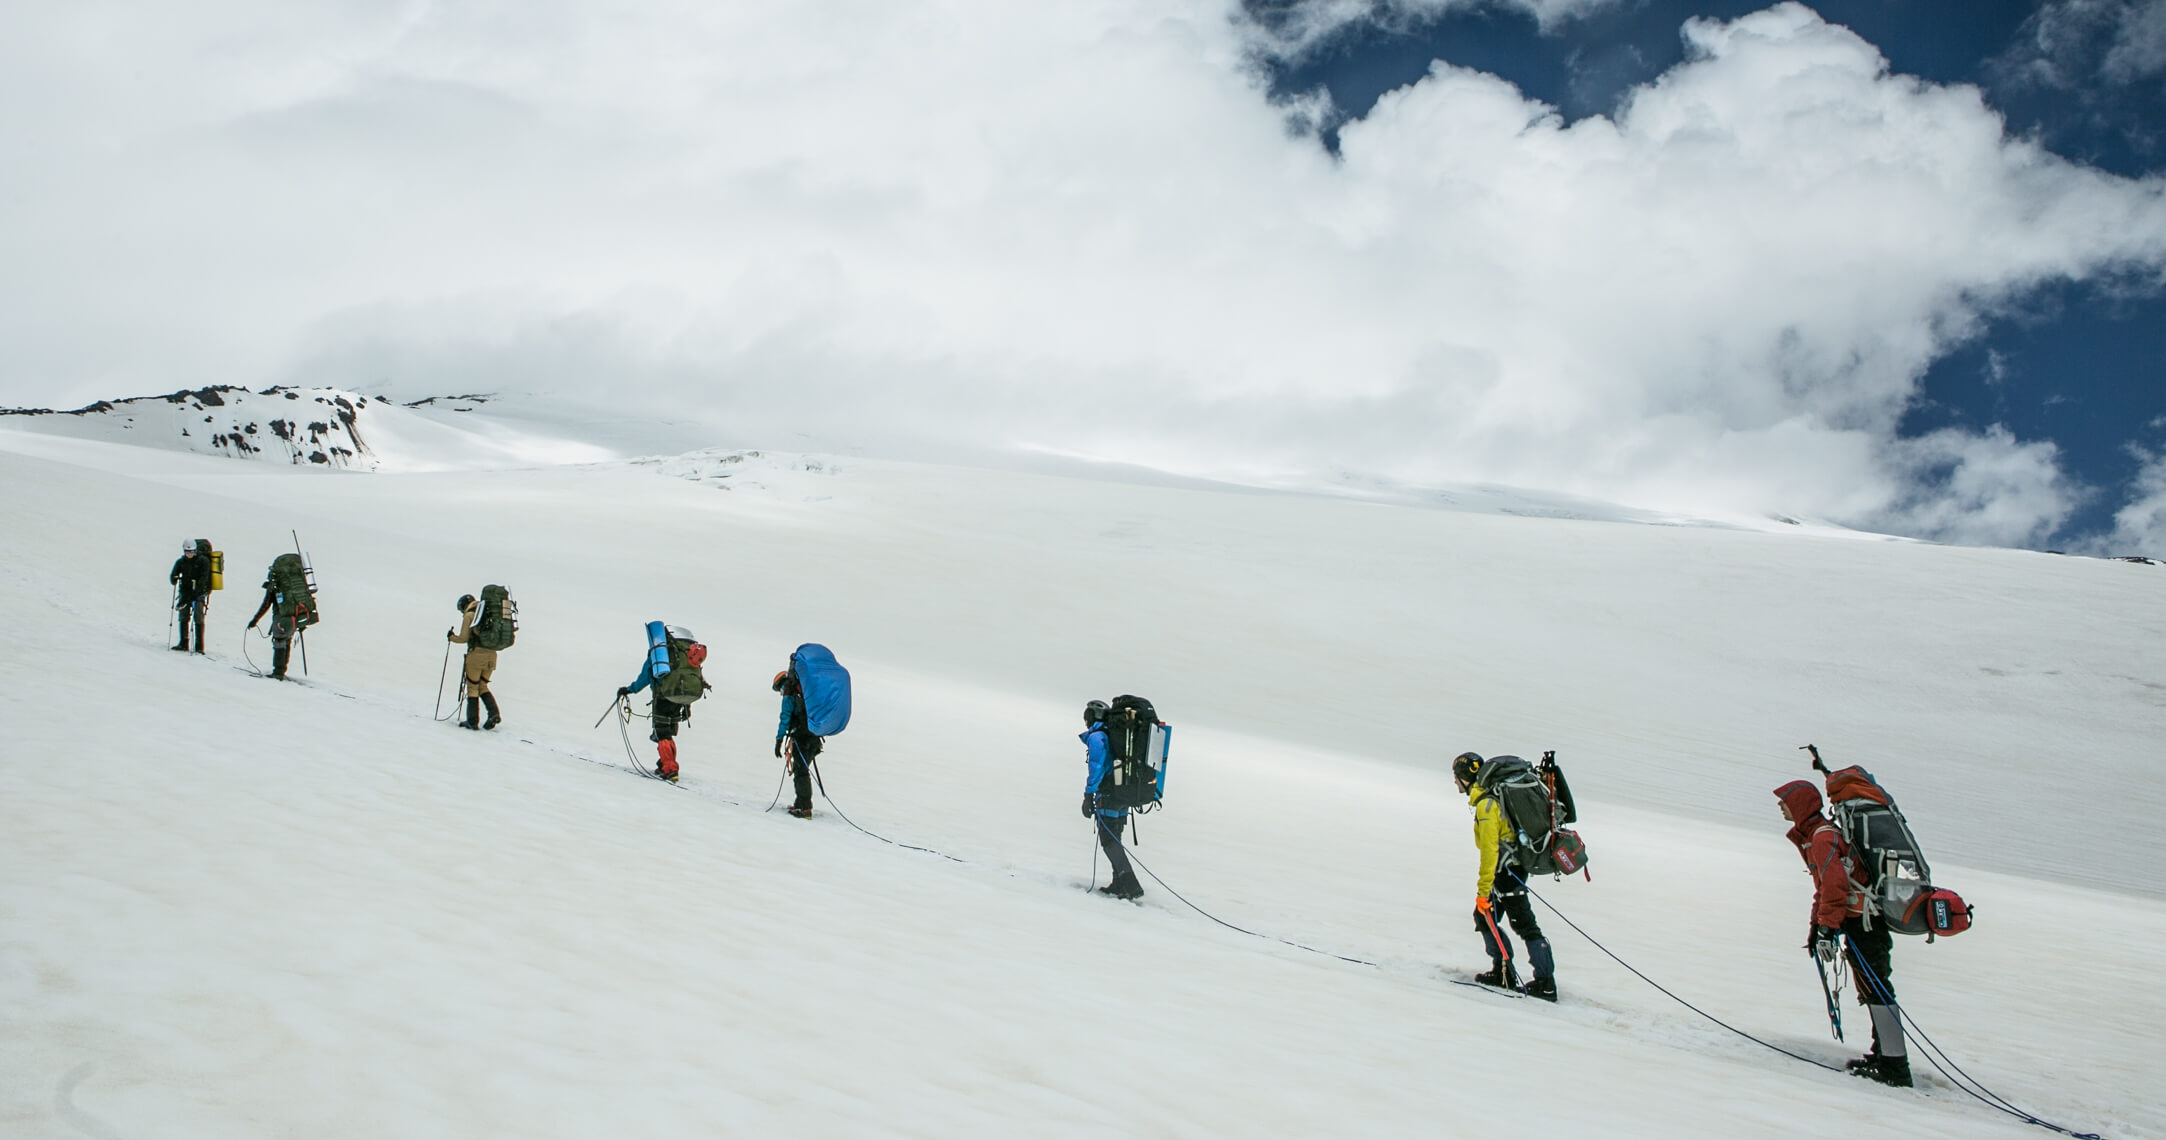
x=295, y=595
x=683, y=683
x=499, y=624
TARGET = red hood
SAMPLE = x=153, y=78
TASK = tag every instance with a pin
x=1801, y=798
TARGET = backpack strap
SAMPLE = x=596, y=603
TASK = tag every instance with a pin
x=1860, y=897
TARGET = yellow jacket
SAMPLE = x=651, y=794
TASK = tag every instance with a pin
x=1489, y=837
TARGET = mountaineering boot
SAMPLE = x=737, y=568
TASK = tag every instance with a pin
x=495, y=717
x=1499, y=974
x=473, y=713
x=278, y=662
x=1123, y=886
x=1858, y=1065
x=666, y=767
x=1544, y=988
x=801, y=812
x=1894, y=1071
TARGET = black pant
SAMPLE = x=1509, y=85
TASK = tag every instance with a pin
x=192, y=611
x=804, y=748
x=1110, y=828
x=281, y=643
x=664, y=714
x=1871, y=950
x=1508, y=898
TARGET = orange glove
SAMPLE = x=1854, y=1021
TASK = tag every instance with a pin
x=1481, y=907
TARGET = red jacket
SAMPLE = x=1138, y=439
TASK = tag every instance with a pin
x=1826, y=855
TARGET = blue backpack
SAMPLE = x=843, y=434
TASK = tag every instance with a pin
x=826, y=688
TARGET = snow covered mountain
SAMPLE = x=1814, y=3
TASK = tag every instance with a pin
x=288, y=425
x=322, y=427
x=232, y=908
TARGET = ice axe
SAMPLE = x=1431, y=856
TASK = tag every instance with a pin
x=1817, y=765
x=1504, y=949
x=1835, y=1012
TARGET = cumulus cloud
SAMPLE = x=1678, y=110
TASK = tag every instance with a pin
x=1077, y=226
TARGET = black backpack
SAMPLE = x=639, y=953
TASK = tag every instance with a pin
x=499, y=624
x=1536, y=804
x=296, y=593
x=1898, y=890
x=1134, y=781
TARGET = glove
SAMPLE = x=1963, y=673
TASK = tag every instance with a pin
x=1090, y=805
x=778, y=746
x=623, y=691
x=1481, y=907
x=1824, y=942
x=449, y=635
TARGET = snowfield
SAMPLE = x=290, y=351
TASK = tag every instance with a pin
x=232, y=908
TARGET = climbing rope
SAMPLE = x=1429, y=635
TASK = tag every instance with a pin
x=1935, y=1056
x=1665, y=990
x=1207, y=914
x=814, y=764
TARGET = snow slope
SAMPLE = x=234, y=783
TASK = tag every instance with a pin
x=233, y=908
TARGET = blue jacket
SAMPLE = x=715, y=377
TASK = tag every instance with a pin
x=1099, y=759
x=645, y=678
x=792, y=717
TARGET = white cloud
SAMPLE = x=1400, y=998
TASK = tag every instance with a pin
x=1079, y=226
x=2072, y=44
x=2139, y=527
x=2139, y=43
x=1293, y=28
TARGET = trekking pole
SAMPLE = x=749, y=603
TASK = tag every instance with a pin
x=308, y=577
x=172, y=612
x=444, y=674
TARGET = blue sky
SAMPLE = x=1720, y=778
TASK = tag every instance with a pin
x=2082, y=365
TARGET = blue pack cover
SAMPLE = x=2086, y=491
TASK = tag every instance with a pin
x=827, y=689
x=658, y=648
x=1165, y=758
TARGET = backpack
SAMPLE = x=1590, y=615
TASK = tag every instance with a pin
x=1536, y=804
x=683, y=683
x=296, y=595
x=217, y=560
x=1133, y=781
x=499, y=624
x=823, y=688
x=1897, y=885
